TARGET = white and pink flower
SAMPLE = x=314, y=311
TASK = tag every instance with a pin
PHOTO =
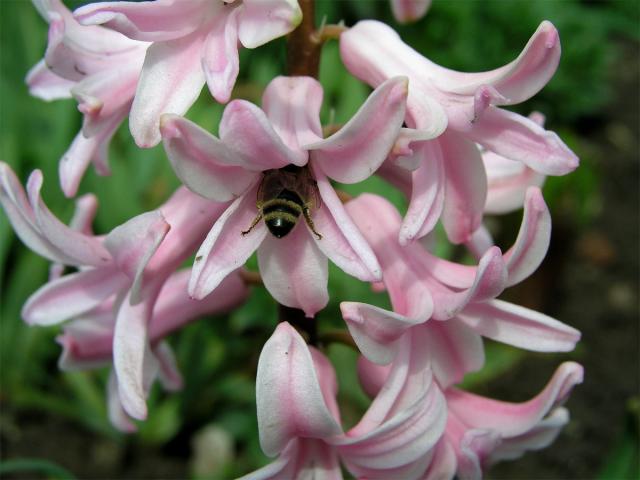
x=287, y=132
x=124, y=270
x=193, y=42
x=448, y=176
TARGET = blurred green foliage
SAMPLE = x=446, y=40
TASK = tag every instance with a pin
x=218, y=355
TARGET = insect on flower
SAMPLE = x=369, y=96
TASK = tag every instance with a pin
x=283, y=195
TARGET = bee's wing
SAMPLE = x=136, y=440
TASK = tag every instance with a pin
x=271, y=186
x=314, y=195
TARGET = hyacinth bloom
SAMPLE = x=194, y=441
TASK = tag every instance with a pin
x=450, y=305
x=287, y=133
x=100, y=69
x=88, y=339
x=481, y=431
x=298, y=417
x=129, y=265
x=449, y=177
x=193, y=42
x=406, y=11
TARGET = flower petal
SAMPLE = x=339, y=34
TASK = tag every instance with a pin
x=17, y=208
x=539, y=437
x=83, y=150
x=519, y=80
x=246, y=129
x=292, y=105
x=532, y=242
x=455, y=350
x=511, y=419
x=341, y=240
x=132, y=356
x=46, y=85
x=427, y=194
x=289, y=397
x=85, y=249
x=444, y=463
x=371, y=375
x=132, y=245
x=401, y=440
x=174, y=308
x=359, y=148
x=202, y=162
x=407, y=11
x=72, y=295
x=261, y=21
x=376, y=330
x=404, y=281
x=518, y=138
x=117, y=416
x=87, y=340
x=489, y=282
x=168, y=372
x=295, y=271
x=84, y=213
x=519, y=326
x=466, y=186
x=225, y=249
x=220, y=60
x=170, y=82
x=148, y=21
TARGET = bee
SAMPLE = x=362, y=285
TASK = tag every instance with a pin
x=283, y=195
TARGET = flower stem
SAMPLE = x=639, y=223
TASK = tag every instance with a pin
x=305, y=325
x=303, y=49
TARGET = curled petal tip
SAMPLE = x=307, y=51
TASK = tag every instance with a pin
x=552, y=38
x=34, y=183
x=485, y=96
x=168, y=128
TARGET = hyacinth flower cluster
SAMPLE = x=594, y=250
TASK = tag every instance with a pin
x=269, y=183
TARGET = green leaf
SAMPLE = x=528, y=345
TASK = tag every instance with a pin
x=35, y=465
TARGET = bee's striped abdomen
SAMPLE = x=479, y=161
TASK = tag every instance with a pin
x=281, y=214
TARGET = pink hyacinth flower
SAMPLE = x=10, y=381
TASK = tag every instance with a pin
x=130, y=264
x=298, y=417
x=481, y=431
x=407, y=11
x=447, y=174
x=100, y=69
x=88, y=339
x=287, y=133
x=426, y=290
x=193, y=42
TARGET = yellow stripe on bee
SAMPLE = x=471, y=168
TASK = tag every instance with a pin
x=287, y=216
x=281, y=202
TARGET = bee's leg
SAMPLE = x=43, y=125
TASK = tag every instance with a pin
x=307, y=218
x=255, y=220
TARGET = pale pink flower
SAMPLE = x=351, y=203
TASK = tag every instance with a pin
x=88, y=339
x=100, y=69
x=286, y=134
x=298, y=417
x=481, y=431
x=129, y=265
x=407, y=11
x=193, y=42
x=426, y=290
x=448, y=176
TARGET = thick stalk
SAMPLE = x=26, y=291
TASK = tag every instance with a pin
x=303, y=58
x=303, y=47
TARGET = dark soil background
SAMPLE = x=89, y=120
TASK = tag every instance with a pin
x=590, y=281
